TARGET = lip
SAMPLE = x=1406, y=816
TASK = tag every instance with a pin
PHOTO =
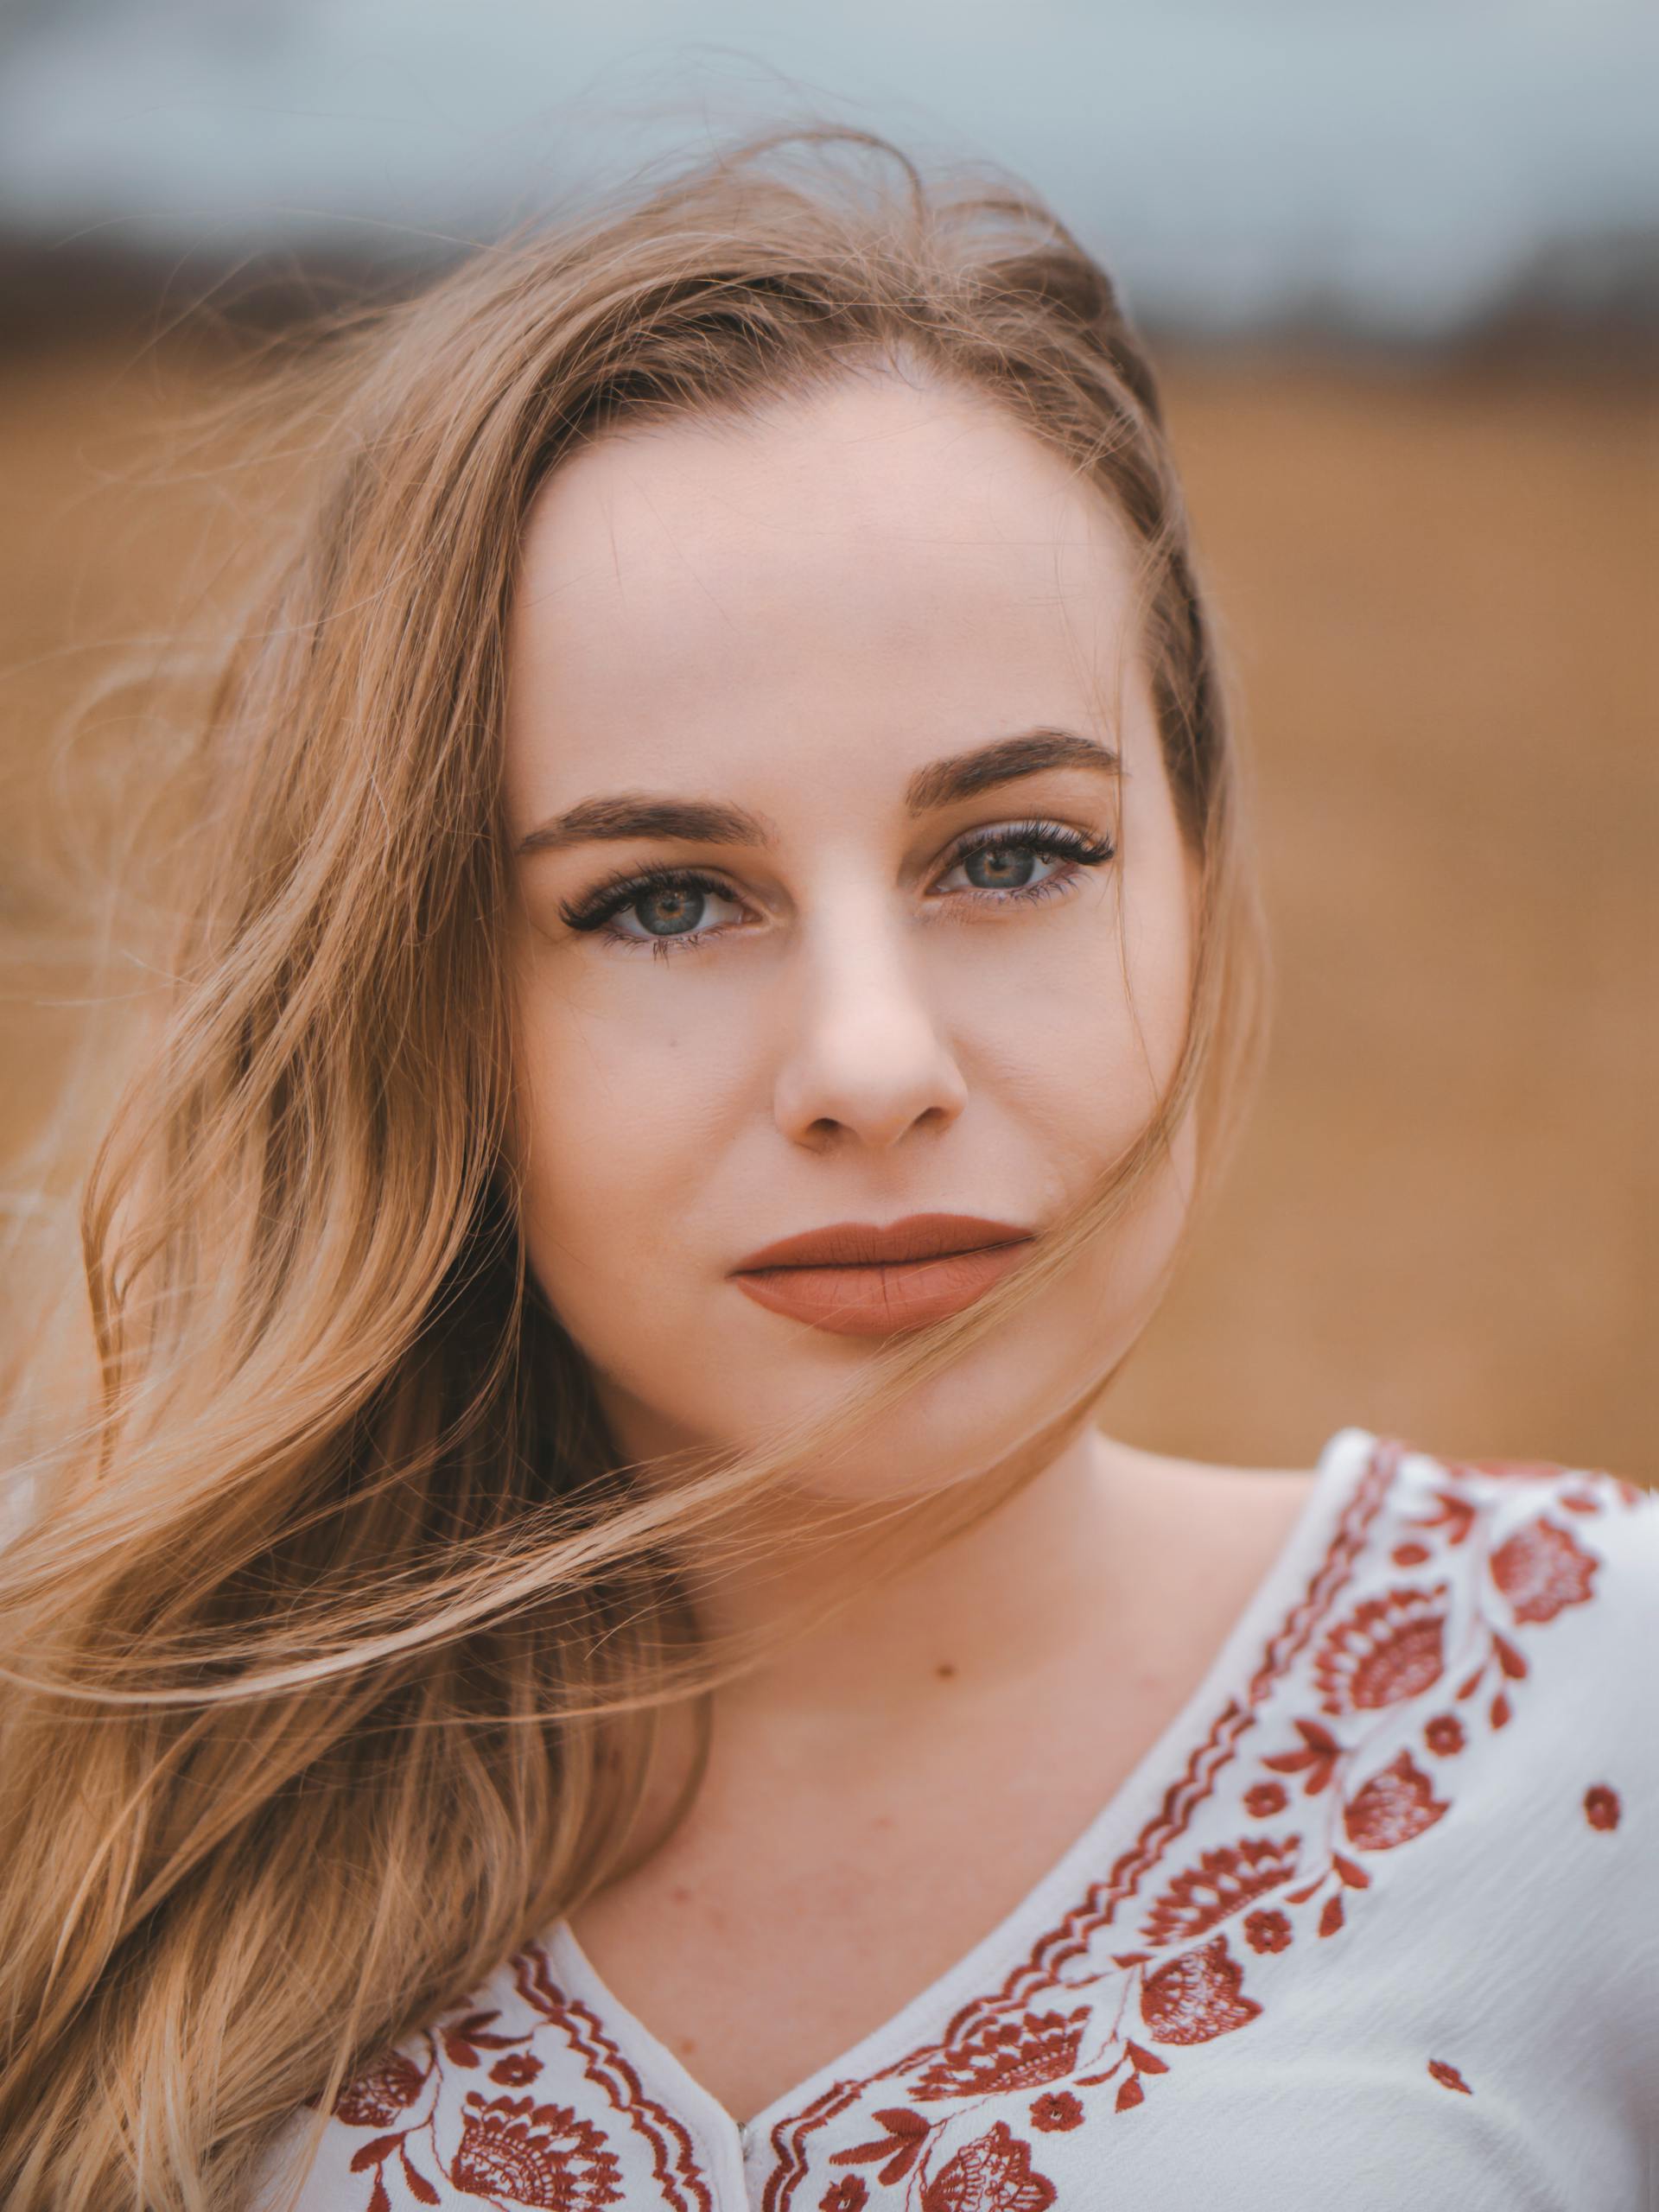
x=859, y=1279
x=857, y=1244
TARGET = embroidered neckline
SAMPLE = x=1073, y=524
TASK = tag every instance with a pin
x=1351, y=1477
x=1382, y=1653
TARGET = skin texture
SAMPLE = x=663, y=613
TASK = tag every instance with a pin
x=795, y=614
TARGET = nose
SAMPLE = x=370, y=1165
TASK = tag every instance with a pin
x=866, y=1059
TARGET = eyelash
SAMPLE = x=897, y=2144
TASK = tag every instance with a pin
x=1051, y=840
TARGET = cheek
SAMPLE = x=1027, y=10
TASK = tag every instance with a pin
x=615, y=1121
x=1082, y=1047
x=1116, y=1044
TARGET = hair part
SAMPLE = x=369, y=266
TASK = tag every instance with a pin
x=338, y=1640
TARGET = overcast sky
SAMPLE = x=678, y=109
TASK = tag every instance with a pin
x=1228, y=156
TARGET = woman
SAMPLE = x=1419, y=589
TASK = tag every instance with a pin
x=592, y=1653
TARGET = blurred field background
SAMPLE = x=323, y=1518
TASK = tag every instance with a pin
x=1432, y=524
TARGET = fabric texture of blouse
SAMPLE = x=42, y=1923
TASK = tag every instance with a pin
x=1375, y=1924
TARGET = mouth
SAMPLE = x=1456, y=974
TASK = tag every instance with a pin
x=858, y=1279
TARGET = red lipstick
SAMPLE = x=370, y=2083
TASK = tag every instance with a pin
x=856, y=1279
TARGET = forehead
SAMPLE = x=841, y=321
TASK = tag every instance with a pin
x=852, y=582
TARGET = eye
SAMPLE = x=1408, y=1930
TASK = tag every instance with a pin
x=668, y=909
x=1021, y=860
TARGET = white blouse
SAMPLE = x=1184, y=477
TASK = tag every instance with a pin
x=1375, y=1924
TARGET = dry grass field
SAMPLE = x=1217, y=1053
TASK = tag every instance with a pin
x=1439, y=587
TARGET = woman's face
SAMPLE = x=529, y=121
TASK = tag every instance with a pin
x=851, y=890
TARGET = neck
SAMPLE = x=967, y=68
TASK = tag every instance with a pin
x=994, y=1602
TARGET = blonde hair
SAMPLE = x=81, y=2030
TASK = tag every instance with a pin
x=338, y=1639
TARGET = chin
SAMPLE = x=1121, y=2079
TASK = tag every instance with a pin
x=966, y=1418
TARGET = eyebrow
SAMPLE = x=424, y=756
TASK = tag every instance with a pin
x=943, y=783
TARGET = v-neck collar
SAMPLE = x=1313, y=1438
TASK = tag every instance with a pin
x=1234, y=1676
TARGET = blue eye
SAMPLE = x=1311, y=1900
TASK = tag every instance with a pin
x=670, y=909
x=1002, y=868
x=1006, y=864
x=669, y=906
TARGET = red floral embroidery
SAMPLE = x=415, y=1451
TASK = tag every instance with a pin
x=901, y=2146
x=1020, y=2053
x=380, y=2091
x=512, y=2149
x=1267, y=1931
x=992, y=2174
x=1222, y=1883
x=1388, y=1649
x=1454, y=1515
x=673, y=2160
x=1264, y=1799
x=1392, y=1808
x=1056, y=2112
x=1444, y=1735
x=1540, y=1569
x=1137, y=2060
x=1448, y=2077
x=540, y=2155
x=1316, y=1761
x=465, y=2038
x=1410, y=1553
x=1196, y=1996
x=1601, y=1806
x=377, y=2155
x=515, y=2070
x=847, y=2195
